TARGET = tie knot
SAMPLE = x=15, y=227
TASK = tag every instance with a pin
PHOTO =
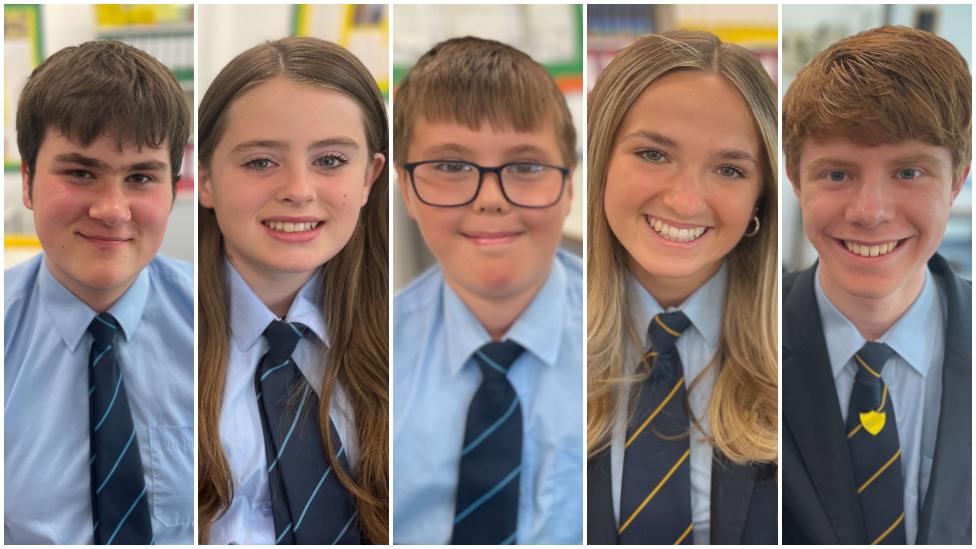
x=871, y=359
x=103, y=328
x=283, y=337
x=665, y=329
x=497, y=357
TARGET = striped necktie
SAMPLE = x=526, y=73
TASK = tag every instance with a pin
x=872, y=436
x=655, y=499
x=120, y=508
x=491, y=457
x=308, y=503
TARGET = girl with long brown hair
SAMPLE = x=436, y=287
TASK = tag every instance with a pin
x=682, y=405
x=293, y=370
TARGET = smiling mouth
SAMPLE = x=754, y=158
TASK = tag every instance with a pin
x=675, y=234
x=871, y=250
x=288, y=227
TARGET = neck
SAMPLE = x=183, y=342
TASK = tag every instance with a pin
x=671, y=291
x=276, y=290
x=873, y=316
x=497, y=314
x=100, y=300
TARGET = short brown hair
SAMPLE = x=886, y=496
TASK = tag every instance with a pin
x=881, y=86
x=100, y=88
x=471, y=81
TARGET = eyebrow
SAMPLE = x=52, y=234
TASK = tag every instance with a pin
x=736, y=154
x=446, y=148
x=341, y=141
x=90, y=162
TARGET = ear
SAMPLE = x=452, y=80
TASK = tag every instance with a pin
x=206, y=191
x=403, y=182
x=373, y=172
x=25, y=189
x=957, y=185
x=795, y=183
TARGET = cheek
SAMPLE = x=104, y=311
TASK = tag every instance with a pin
x=151, y=212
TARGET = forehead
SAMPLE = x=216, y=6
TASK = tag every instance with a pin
x=695, y=107
x=839, y=149
x=284, y=110
x=486, y=143
x=106, y=148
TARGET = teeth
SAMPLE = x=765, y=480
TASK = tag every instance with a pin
x=865, y=250
x=674, y=233
x=291, y=227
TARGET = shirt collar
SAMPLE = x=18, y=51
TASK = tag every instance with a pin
x=704, y=308
x=249, y=316
x=464, y=334
x=71, y=316
x=908, y=337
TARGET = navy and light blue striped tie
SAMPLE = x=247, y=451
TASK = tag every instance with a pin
x=309, y=504
x=120, y=508
x=655, y=500
x=486, y=512
x=872, y=436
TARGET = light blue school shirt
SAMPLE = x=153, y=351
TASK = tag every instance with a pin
x=434, y=380
x=913, y=376
x=696, y=347
x=249, y=520
x=47, y=479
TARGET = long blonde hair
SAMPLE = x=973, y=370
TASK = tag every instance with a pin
x=742, y=409
x=355, y=281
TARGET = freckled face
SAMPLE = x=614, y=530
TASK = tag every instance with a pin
x=100, y=212
x=288, y=178
x=683, y=178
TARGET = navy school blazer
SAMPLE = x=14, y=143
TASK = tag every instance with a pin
x=820, y=504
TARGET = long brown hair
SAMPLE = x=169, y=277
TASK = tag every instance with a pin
x=355, y=281
x=742, y=409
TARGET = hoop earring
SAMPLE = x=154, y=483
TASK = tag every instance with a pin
x=755, y=230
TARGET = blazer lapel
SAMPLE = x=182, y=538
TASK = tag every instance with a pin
x=945, y=519
x=811, y=409
x=732, y=487
x=601, y=526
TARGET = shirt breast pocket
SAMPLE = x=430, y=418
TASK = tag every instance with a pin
x=171, y=449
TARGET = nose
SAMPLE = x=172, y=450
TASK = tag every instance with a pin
x=110, y=205
x=870, y=205
x=686, y=194
x=296, y=186
x=490, y=198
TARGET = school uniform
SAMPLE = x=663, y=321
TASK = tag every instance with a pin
x=250, y=518
x=436, y=379
x=730, y=504
x=49, y=447
x=928, y=378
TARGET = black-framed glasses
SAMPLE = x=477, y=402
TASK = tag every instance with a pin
x=454, y=183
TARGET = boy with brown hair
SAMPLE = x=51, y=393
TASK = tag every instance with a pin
x=487, y=345
x=877, y=381
x=98, y=327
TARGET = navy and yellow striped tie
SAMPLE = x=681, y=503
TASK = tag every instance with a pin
x=655, y=499
x=308, y=503
x=872, y=436
x=120, y=508
x=486, y=512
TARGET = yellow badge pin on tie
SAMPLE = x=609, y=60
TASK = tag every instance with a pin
x=872, y=421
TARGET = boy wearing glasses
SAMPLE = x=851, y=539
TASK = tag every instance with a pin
x=487, y=345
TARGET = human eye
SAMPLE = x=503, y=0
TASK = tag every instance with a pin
x=259, y=164
x=729, y=171
x=835, y=176
x=655, y=156
x=526, y=168
x=141, y=179
x=79, y=174
x=331, y=161
x=450, y=167
x=908, y=174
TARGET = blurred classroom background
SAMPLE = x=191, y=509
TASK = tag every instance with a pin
x=550, y=34
x=612, y=27
x=33, y=32
x=807, y=30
